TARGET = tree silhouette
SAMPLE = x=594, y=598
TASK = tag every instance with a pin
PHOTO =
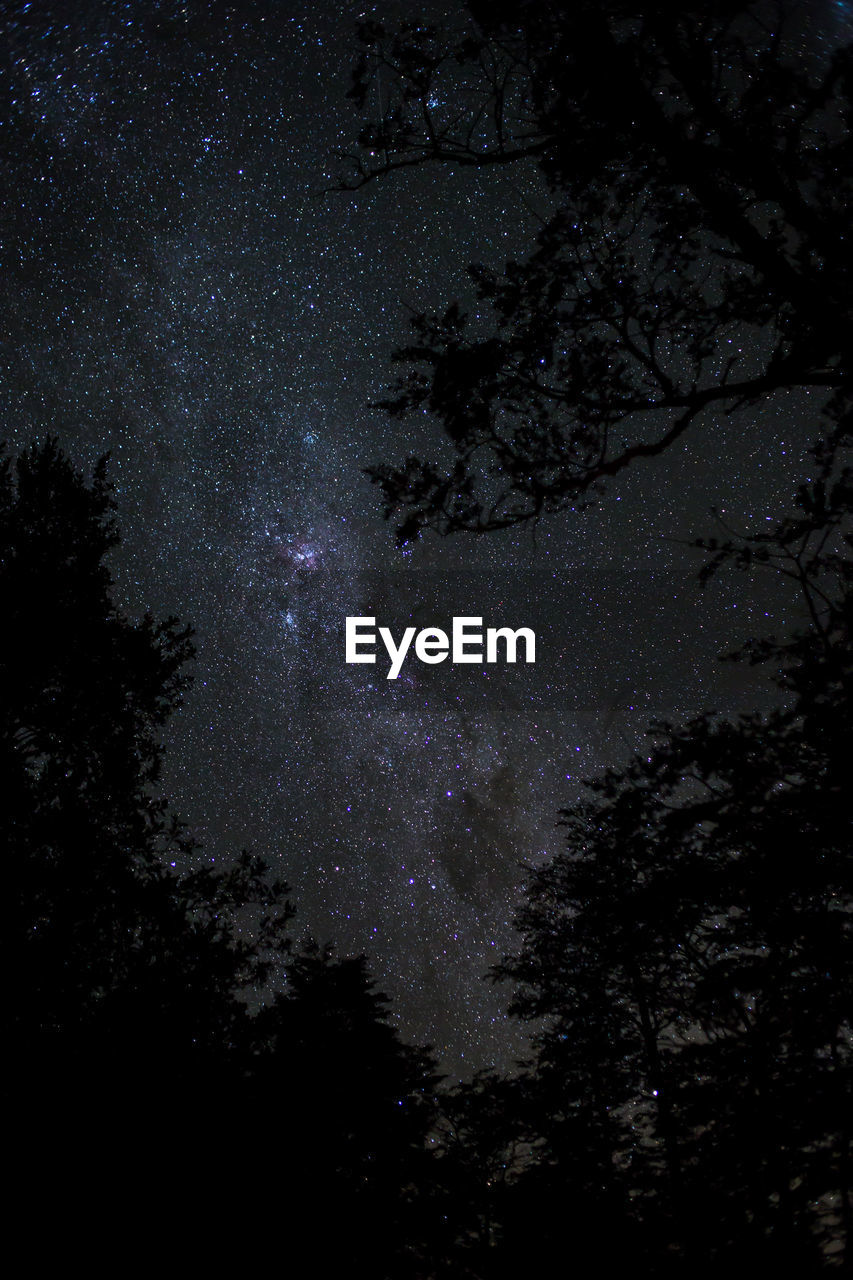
x=123, y=1019
x=695, y=260
x=691, y=954
x=357, y=1139
x=686, y=961
x=112, y=939
x=151, y=1061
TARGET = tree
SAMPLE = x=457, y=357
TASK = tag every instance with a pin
x=691, y=950
x=696, y=259
x=128, y=968
x=356, y=1172
x=151, y=1059
x=687, y=956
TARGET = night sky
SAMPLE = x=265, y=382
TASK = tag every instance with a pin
x=178, y=290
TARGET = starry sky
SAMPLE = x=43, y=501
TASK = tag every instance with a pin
x=181, y=288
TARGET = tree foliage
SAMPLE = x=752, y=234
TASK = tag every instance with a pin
x=115, y=943
x=691, y=949
x=686, y=961
x=146, y=1044
x=696, y=259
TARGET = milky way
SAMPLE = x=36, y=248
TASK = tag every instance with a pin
x=179, y=291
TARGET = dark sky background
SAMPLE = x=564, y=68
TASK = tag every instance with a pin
x=177, y=290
